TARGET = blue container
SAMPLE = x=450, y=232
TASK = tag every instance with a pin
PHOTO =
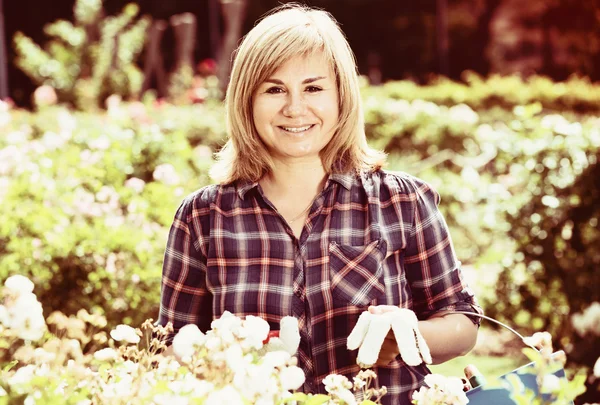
x=501, y=391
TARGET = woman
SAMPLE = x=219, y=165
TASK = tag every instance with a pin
x=303, y=221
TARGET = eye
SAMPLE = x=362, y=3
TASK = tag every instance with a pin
x=274, y=90
x=313, y=89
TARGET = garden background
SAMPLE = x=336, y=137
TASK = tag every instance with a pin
x=493, y=102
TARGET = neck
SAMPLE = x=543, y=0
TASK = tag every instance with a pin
x=294, y=178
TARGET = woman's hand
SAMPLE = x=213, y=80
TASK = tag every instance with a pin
x=389, y=348
x=447, y=336
x=371, y=333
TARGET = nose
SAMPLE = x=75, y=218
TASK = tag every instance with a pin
x=295, y=105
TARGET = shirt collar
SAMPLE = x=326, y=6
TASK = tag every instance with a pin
x=345, y=179
x=244, y=186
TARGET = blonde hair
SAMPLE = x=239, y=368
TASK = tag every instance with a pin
x=289, y=31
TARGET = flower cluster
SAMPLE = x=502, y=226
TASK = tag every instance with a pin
x=71, y=360
x=21, y=314
x=229, y=350
x=440, y=390
x=588, y=322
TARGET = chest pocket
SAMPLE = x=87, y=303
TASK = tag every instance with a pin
x=356, y=272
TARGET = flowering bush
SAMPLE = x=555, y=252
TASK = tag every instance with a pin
x=87, y=198
x=63, y=362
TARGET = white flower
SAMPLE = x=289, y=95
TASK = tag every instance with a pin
x=227, y=328
x=125, y=333
x=119, y=388
x=278, y=358
x=187, y=340
x=291, y=378
x=135, y=184
x=188, y=384
x=27, y=317
x=100, y=143
x=52, y=141
x=345, y=395
x=335, y=381
x=105, y=354
x=588, y=322
x=550, y=384
x=130, y=367
x=170, y=399
x=463, y=113
x=426, y=107
x=113, y=103
x=107, y=194
x=597, y=368
x=19, y=284
x=66, y=122
x=168, y=366
x=166, y=174
x=440, y=390
x=227, y=395
x=255, y=381
x=359, y=382
x=22, y=376
x=258, y=330
x=42, y=356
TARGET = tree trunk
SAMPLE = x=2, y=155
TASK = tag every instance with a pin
x=482, y=35
x=153, y=63
x=442, y=36
x=234, y=12
x=3, y=58
x=214, y=28
x=184, y=27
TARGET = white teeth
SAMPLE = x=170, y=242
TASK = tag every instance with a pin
x=301, y=129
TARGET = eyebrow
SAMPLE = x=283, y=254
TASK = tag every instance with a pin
x=305, y=81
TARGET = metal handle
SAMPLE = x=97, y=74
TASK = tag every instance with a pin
x=495, y=321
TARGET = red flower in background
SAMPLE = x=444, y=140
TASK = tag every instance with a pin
x=207, y=67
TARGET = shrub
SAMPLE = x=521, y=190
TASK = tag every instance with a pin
x=87, y=202
x=577, y=94
x=90, y=59
x=88, y=198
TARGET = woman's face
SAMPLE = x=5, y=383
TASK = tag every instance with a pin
x=296, y=110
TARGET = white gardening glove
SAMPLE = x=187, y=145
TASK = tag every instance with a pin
x=287, y=338
x=371, y=330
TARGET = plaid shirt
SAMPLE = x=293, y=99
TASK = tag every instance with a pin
x=372, y=239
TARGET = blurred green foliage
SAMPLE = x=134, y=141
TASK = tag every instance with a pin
x=90, y=59
x=577, y=94
x=88, y=198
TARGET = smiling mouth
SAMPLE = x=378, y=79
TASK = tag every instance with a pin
x=296, y=130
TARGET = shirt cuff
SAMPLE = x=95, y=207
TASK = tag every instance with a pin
x=463, y=307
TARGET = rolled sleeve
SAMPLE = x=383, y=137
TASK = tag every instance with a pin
x=432, y=270
x=184, y=296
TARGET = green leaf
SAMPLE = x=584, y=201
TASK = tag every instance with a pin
x=318, y=399
x=532, y=354
x=368, y=402
x=10, y=365
x=297, y=396
x=575, y=387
